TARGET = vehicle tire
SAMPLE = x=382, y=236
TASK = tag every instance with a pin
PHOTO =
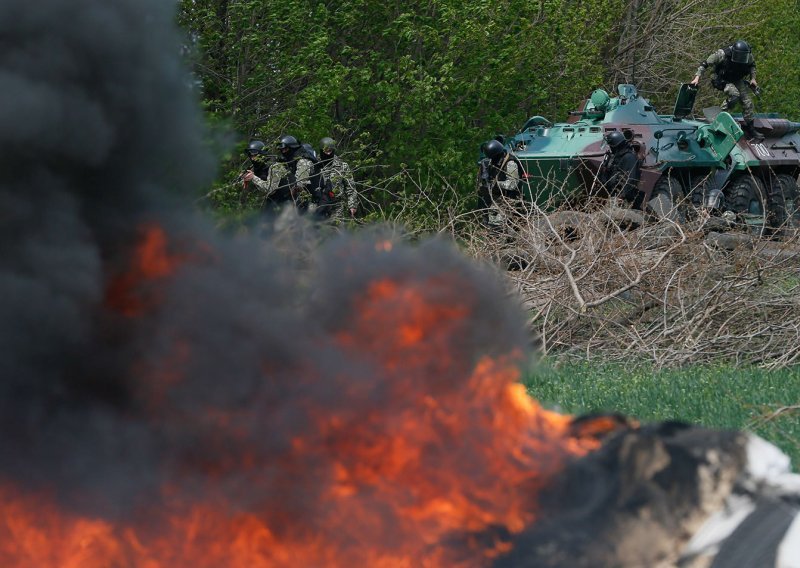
x=746, y=196
x=783, y=195
x=702, y=196
x=698, y=193
x=671, y=188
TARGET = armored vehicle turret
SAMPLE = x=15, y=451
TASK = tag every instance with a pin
x=684, y=160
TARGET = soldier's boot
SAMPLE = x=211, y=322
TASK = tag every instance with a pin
x=751, y=132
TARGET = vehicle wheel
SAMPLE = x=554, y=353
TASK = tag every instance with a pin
x=746, y=197
x=783, y=195
x=668, y=199
x=704, y=197
x=698, y=193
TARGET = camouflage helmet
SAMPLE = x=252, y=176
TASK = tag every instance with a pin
x=494, y=149
x=288, y=142
x=615, y=139
x=740, y=52
x=327, y=143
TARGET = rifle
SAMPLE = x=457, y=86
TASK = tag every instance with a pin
x=262, y=164
x=485, y=180
x=483, y=169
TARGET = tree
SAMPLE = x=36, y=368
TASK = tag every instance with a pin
x=415, y=87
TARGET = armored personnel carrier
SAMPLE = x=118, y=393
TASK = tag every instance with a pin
x=685, y=161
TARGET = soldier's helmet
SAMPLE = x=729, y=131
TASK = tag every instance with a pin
x=616, y=140
x=289, y=142
x=327, y=145
x=255, y=148
x=741, y=52
x=494, y=150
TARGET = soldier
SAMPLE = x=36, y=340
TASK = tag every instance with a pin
x=731, y=66
x=499, y=180
x=257, y=155
x=288, y=179
x=621, y=170
x=339, y=197
x=259, y=168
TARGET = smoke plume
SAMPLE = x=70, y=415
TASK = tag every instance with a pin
x=147, y=359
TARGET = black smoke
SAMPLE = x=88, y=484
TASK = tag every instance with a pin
x=98, y=133
x=101, y=137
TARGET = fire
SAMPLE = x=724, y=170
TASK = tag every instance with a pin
x=128, y=293
x=154, y=259
x=437, y=462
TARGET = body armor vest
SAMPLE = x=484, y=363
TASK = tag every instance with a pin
x=730, y=72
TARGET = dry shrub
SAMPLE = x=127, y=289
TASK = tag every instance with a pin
x=604, y=282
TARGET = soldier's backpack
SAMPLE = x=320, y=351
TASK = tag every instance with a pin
x=321, y=189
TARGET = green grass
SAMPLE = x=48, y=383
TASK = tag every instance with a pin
x=717, y=397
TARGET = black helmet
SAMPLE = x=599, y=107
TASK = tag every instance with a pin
x=309, y=151
x=740, y=52
x=615, y=139
x=288, y=142
x=327, y=144
x=255, y=148
x=493, y=149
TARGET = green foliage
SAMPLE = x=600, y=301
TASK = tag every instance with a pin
x=776, y=44
x=771, y=29
x=424, y=82
x=721, y=397
x=410, y=90
x=416, y=86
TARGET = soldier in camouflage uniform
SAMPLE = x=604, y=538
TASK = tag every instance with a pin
x=288, y=179
x=499, y=180
x=731, y=66
x=256, y=153
x=258, y=167
x=340, y=198
x=621, y=170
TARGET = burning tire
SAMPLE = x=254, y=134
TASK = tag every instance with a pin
x=668, y=199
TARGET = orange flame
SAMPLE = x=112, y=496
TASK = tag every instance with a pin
x=126, y=293
x=425, y=479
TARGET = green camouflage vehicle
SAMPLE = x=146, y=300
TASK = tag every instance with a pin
x=684, y=161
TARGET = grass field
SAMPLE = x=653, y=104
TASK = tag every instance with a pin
x=718, y=397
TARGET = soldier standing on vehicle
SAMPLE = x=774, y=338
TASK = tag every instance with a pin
x=339, y=197
x=621, y=170
x=288, y=179
x=499, y=178
x=731, y=66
